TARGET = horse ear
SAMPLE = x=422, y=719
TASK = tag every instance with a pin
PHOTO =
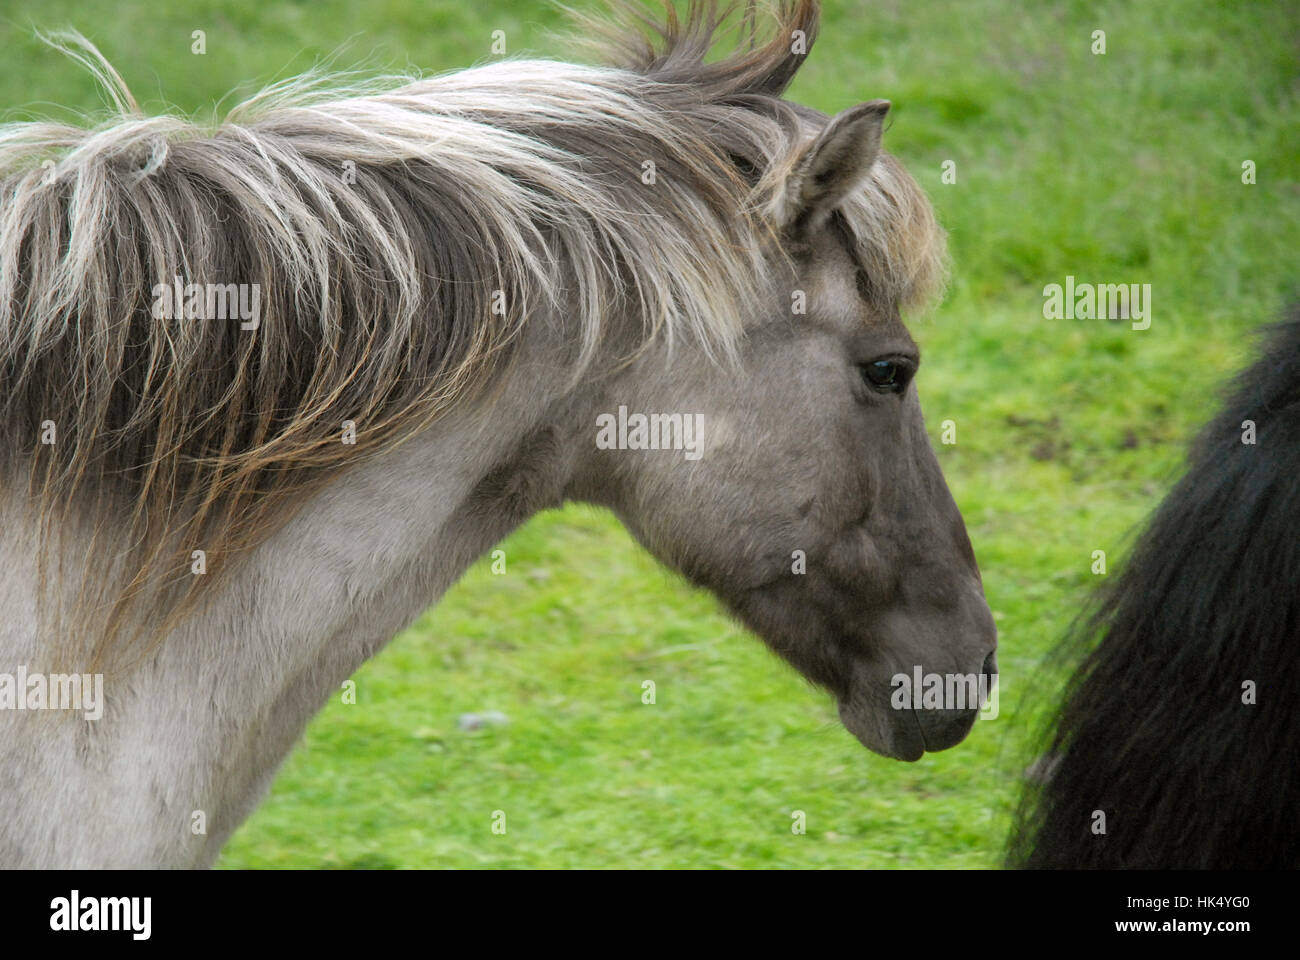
x=835, y=164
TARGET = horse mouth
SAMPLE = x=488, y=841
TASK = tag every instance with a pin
x=904, y=734
x=891, y=733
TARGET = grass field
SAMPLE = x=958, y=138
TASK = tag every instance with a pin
x=1117, y=168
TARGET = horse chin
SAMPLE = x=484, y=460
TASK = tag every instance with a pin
x=904, y=734
x=891, y=733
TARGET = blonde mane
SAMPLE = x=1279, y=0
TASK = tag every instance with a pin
x=399, y=236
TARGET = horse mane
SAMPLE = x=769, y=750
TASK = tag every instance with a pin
x=1154, y=731
x=399, y=234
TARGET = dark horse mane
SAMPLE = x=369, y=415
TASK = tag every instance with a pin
x=1154, y=731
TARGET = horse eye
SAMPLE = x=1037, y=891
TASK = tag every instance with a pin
x=886, y=376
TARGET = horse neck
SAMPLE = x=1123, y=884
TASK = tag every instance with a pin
x=207, y=720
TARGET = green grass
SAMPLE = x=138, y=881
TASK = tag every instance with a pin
x=1117, y=168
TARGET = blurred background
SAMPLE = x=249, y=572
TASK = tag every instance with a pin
x=1122, y=167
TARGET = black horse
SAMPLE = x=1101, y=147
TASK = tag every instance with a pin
x=1180, y=731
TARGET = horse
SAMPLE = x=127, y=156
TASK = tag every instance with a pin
x=1178, y=742
x=270, y=387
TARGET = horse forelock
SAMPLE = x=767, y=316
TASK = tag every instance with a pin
x=352, y=214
